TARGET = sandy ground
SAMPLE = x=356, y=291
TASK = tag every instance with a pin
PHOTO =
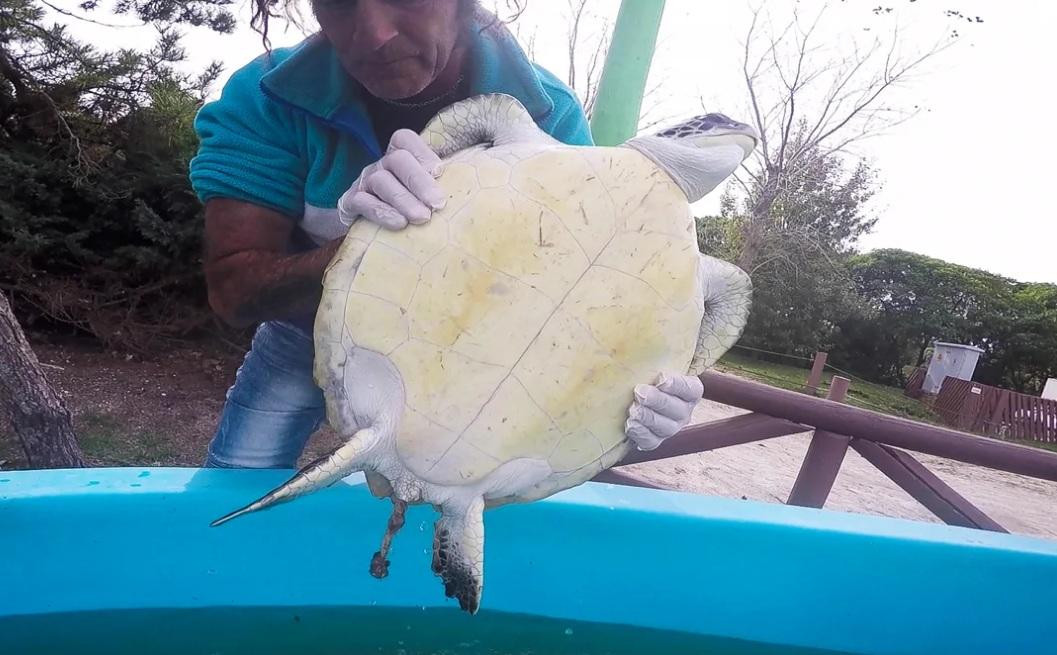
x=766, y=470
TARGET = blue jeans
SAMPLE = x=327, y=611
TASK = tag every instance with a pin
x=274, y=405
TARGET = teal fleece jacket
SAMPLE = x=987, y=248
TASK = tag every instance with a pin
x=290, y=131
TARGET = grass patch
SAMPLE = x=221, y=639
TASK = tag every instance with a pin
x=105, y=440
x=867, y=395
x=109, y=441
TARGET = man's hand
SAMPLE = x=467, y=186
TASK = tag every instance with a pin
x=397, y=189
x=662, y=409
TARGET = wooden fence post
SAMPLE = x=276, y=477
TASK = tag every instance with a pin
x=971, y=408
x=925, y=486
x=823, y=459
x=814, y=379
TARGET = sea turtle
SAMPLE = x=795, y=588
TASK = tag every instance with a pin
x=489, y=355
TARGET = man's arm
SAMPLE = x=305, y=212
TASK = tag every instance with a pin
x=248, y=275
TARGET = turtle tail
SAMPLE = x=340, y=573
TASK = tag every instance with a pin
x=491, y=119
x=727, y=292
x=321, y=473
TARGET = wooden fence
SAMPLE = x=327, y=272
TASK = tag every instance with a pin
x=915, y=383
x=983, y=409
x=881, y=439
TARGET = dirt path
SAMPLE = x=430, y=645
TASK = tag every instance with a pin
x=129, y=412
x=163, y=413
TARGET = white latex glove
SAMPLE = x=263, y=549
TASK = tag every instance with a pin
x=661, y=410
x=398, y=189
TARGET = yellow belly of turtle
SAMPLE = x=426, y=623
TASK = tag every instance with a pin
x=523, y=314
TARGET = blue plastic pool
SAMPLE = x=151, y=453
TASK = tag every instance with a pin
x=123, y=560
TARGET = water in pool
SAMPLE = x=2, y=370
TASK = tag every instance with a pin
x=341, y=631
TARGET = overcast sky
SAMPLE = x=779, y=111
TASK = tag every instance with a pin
x=969, y=179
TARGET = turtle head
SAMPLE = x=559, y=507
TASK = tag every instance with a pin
x=699, y=153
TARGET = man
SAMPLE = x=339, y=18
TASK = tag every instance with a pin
x=290, y=155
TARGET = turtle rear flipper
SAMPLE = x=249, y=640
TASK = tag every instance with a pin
x=458, y=552
x=727, y=297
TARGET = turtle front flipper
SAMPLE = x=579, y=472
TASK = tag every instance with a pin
x=727, y=292
x=458, y=552
x=491, y=119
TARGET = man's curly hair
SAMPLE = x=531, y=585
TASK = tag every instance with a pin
x=266, y=10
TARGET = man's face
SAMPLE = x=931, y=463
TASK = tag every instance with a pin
x=394, y=48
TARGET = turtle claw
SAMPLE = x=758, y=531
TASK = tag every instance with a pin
x=460, y=584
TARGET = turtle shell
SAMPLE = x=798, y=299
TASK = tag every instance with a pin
x=522, y=315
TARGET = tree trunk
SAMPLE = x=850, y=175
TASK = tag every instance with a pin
x=35, y=411
x=921, y=352
x=750, y=245
x=755, y=229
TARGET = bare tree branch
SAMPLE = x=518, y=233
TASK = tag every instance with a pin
x=808, y=104
x=742, y=183
x=86, y=19
x=847, y=88
x=750, y=78
x=576, y=8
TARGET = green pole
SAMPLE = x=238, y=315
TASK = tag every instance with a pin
x=616, y=112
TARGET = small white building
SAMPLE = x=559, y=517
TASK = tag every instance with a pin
x=950, y=359
x=1050, y=390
